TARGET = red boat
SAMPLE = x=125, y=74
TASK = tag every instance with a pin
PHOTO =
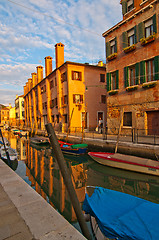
x=126, y=162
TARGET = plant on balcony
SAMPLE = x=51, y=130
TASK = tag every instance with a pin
x=130, y=48
x=112, y=56
x=131, y=88
x=113, y=92
x=149, y=84
x=149, y=39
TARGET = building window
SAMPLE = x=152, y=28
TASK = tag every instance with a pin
x=102, y=77
x=113, y=81
x=132, y=76
x=77, y=98
x=148, y=28
x=57, y=117
x=63, y=77
x=65, y=118
x=111, y=47
x=103, y=99
x=150, y=70
x=130, y=5
x=53, y=118
x=131, y=37
x=51, y=84
x=127, y=119
x=76, y=75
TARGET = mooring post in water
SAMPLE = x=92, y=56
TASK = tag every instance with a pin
x=67, y=179
x=7, y=154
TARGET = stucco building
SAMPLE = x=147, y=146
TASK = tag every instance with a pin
x=132, y=54
x=19, y=110
x=72, y=96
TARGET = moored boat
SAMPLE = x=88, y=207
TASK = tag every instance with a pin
x=75, y=149
x=127, y=162
x=12, y=153
x=39, y=140
x=121, y=216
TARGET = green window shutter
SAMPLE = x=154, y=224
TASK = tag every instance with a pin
x=135, y=34
x=156, y=63
x=142, y=72
x=141, y=29
x=126, y=80
x=136, y=73
x=117, y=79
x=154, y=23
x=107, y=49
x=116, y=44
x=124, y=7
x=108, y=82
x=125, y=39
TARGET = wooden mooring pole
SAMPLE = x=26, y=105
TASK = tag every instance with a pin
x=67, y=179
x=7, y=154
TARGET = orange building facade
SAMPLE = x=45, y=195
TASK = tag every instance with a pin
x=132, y=54
x=71, y=97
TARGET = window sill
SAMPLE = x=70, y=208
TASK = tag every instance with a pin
x=112, y=56
x=113, y=92
x=149, y=84
x=131, y=88
x=129, y=49
x=147, y=40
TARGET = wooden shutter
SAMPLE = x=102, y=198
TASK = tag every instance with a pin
x=81, y=98
x=142, y=72
x=117, y=79
x=154, y=23
x=136, y=73
x=107, y=49
x=115, y=44
x=108, y=82
x=124, y=7
x=125, y=39
x=135, y=34
x=156, y=63
x=141, y=29
x=126, y=81
x=74, y=98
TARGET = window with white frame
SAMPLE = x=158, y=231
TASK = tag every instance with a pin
x=132, y=76
x=130, y=5
x=131, y=37
x=148, y=27
x=113, y=81
x=112, y=46
x=150, y=70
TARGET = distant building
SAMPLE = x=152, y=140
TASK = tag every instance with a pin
x=132, y=55
x=12, y=116
x=4, y=114
x=19, y=110
x=61, y=97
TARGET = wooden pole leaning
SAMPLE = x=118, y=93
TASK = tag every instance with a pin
x=67, y=179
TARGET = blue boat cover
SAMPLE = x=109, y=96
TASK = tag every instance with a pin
x=123, y=216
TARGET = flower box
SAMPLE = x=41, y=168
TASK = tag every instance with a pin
x=149, y=84
x=147, y=40
x=129, y=49
x=112, y=56
x=131, y=88
x=113, y=92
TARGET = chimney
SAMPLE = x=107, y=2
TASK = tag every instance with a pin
x=48, y=65
x=59, y=54
x=39, y=73
x=29, y=84
x=27, y=90
x=34, y=79
x=24, y=90
x=100, y=63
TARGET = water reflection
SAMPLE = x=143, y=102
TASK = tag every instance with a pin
x=39, y=168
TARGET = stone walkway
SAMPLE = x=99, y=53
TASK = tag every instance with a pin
x=25, y=215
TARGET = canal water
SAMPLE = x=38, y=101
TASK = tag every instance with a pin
x=38, y=167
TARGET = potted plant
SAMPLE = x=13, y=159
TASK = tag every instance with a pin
x=129, y=48
x=112, y=56
x=147, y=40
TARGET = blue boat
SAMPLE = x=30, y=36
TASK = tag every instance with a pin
x=122, y=216
x=75, y=149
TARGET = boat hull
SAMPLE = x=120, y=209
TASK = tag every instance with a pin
x=130, y=163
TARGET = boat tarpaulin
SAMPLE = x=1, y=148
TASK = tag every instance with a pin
x=123, y=216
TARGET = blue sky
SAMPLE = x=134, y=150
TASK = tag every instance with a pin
x=30, y=29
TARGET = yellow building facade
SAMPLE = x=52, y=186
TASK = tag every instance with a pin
x=61, y=97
